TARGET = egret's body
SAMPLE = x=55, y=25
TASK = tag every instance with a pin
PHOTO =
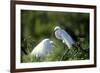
x=43, y=48
x=64, y=36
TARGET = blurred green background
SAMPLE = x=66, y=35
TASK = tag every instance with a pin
x=37, y=25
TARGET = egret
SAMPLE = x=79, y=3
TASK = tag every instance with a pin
x=64, y=36
x=43, y=48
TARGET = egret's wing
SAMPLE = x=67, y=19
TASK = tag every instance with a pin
x=58, y=34
x=38, y=50
x=48, y=46
x=67, y=39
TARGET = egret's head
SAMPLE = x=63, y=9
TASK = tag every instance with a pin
x=56, y=28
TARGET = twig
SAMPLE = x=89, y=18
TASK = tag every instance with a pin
x=63, y=55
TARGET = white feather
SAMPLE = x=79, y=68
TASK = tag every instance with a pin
x=64, y=36
x=43, y=48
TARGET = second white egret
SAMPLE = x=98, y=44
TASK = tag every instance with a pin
x=43, y=48
x=64, y=36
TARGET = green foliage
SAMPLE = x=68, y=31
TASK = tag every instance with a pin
x=37, y=25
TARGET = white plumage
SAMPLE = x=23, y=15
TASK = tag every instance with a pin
x=64, y=36
x=43, y=48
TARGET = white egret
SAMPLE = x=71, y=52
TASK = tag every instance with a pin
x=43, y=48
x=64, y=36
